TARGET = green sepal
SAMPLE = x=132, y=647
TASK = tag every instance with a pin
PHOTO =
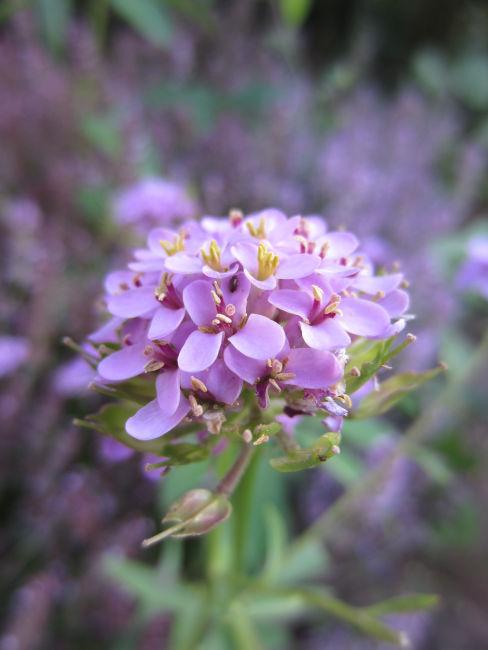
x=326, y=447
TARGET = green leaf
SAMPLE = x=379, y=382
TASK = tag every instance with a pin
x=392, y=390
x=54, y=17
x=354, y=616
x=326, y=447
x=275, y=542
x=103, y=132
x=147, y=585
x=148, y=17
x=403, y=604
x=303, y=561
x=294, y=12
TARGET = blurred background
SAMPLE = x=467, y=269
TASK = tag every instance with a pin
x=116, y=115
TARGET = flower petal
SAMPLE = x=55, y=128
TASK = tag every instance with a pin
x=151, y=422
x=200, y=305
x=313, y=368
x=396, y=303
x=247, y=369
x=297, y=266
x=260, y=338
x=168, y=391
x=164, y=322
x=293, y=302
x=236, y=292
x=131, y=303
x=328, y=335
x=373, y=283
x=123, y=364
x=199, y=351
x=340, y=244
x=363, y=317
x=224, y=385
x=107, y=333
x=183, y=263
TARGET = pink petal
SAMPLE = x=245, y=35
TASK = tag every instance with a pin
x=131, y=303
x=151, y=422
x=183, y=263
x=247, y=369
x=372, y=284
x=260, y=338
x=123, y=364
x=200, y=305
x=247, y=254
x=107, y=333
x=293, y=302
x=329, y=335
x=297, y=266
x=168, y=390
x=313, y=368
x=363, y=317
x=164, y=322
x=217, y=275
x=265, y=285
x=156, y=236
x=341, y=244
x=396, y=303
x=224, y=385
x=199, y=351
x=115, y=279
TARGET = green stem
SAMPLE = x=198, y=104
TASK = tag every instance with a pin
x=230, y=481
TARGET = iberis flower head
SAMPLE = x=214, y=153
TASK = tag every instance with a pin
x=260, y=309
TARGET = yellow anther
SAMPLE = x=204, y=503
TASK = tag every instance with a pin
x=275, y=385
x=258, y=231
x=324, y=249
x=196, y=408
x=224, y=319
x=285, y=376
x=176, y=246
x=318, y=294
x=198, y=384
x=161, y=289
x=247, y=436
x=216, y=298
x=218, y=290
x=267, y=262
x=346, y=399
x=230, y=309
x=261, y=440
x=334, y=301
x=212, y=258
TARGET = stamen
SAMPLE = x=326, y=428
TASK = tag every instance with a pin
x=176, y=246
x=218, y=290
x=258, y=232
x=212, y=258
x=355, y=372
x=275, y=385
x=324, y=249
x=276, y=366
x=198, y=384
x=261, y=440
x=196, y=408
x=148, y=350
x=207, y=330
x=247, y=435
x=285, y=376
x=334, y=301
x=235, y=217
x=216, y=298
x=267, y=262
x=154, y=365
x=318, y=294
x=224, y=319
x=230, y=309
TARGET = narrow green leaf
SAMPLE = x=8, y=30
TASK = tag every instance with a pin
x=149, y=17
x=392, y=390
x=325, y=448
x=294, y=12
x=403, y=604
x=354, y=616
x=275, y=542
x=54, y=17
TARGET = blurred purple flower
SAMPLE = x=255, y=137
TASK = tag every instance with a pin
x=14, y=352
x=473, y=274
x=153, y=202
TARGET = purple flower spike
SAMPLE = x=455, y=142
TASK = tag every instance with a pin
x=222, y=308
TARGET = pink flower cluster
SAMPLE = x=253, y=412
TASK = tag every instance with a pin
x=262, y=302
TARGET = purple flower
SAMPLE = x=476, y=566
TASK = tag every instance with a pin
x=261, y=303
x=14, y=351
x=152, y=202
x=473, y=274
